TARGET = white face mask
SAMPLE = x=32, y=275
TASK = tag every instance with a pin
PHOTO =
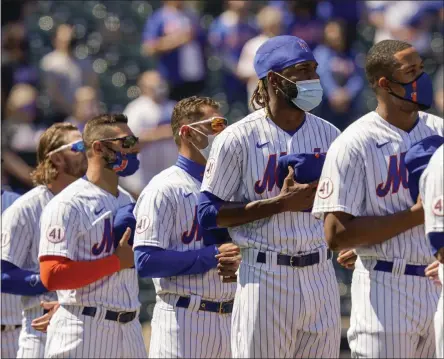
x=309, y=93
x=205, y=151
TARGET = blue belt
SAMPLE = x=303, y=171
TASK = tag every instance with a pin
x=207, y=306
x=410, y=269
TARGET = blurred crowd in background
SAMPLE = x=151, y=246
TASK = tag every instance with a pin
x=70, y=60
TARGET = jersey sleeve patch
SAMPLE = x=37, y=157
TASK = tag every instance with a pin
x=5, y=239
x=55, y=234
x=142, y=224
x=210, y=167
x=325, y=188
x=438, y=206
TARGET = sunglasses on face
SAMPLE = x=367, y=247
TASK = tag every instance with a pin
x=218, y=124
x=127, y=141
x=77, y=146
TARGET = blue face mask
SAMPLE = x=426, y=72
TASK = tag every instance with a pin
x=124, y=164
x=304, y=95
x=418, y=91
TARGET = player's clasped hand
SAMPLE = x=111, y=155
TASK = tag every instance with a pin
x=41, y=323
x=297, y=197
x=229, y=258
x=124, y=251
x=431, y=272
x=347, y=258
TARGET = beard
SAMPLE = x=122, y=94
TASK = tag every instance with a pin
x=76, y=168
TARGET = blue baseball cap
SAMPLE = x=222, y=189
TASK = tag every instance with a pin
x=416, y=160
x=124, y=218
x=280, y=52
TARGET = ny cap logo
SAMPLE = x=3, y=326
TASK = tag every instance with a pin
x=303, y=45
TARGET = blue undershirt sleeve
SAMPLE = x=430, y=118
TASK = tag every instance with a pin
x=155, y=262
x=436, y=240
x=19, y=281
x=208, y=209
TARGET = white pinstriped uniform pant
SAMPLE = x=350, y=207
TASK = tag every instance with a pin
x=9, y=343
x=31, y=342
x=188, y=332
x=74, y=335
x=392, y=314
x=285, y=312
x=439, y=318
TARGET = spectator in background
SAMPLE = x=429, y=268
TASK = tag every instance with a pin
x=439, y=91
x=342, y=78
x=16, y=66
x=269, y=20
x=86, y=106
x=20, y=135
x=63, y=73
x=149, y=117
x=403, y=20
x=227, y=36
x=306, y=24
x=174, y=36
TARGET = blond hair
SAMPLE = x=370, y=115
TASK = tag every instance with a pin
x=50, y=140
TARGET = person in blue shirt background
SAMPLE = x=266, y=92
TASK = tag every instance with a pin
x=342, y=77
x=174, y=36
x=227, y=36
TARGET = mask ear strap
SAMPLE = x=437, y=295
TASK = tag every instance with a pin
x=195, y=129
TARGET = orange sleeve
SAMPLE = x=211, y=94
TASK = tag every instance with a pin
x=61, y=273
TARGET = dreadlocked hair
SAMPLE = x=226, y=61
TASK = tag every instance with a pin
x=260, y=97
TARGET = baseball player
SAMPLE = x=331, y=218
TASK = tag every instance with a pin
x=192, y=316
x=364, y=197
x=11, y=304
x=431, y=189
x=61, y=161
x=287, y=301
x=97, y=287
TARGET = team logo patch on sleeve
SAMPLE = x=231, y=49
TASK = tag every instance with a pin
x=438, y=206
x=142, y=224
x=5, y=239
x=325, y=188
x=55, y=234
x=210, y=167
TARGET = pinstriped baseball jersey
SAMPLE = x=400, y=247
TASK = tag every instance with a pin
x=364, y=174
x=21, y=238
x=166, y=213
x=431, y=186
x=11, y=304
x=242, y=167
x=77, y=224
x=8, y=198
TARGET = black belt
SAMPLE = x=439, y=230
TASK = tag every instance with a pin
x=294, y=261
x=120, y=317
x=14, y=327
x=207, y=306
x=410, y=269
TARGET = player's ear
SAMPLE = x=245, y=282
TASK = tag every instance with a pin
x=272, y=80
x=384, y=83
x=97, y=147
x=185, y=132
x=56, y=159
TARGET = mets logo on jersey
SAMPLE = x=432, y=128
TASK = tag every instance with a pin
x=269, y=177
x=107, y=241
x=396, y=176
x=194, y=233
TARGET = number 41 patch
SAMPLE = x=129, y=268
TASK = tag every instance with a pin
x=325, y=188
x=438, y=206
x=55, y=234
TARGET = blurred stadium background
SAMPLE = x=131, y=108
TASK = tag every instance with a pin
x=67, y=60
